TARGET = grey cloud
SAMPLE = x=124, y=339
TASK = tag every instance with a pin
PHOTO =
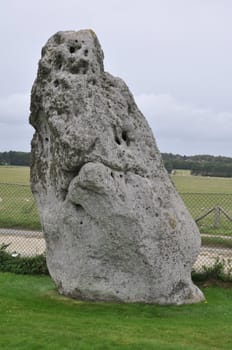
x=14, y=109
x=15, y=138
x=184, y=124
x=160, y=48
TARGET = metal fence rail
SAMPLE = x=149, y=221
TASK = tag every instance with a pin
x=213, y=214
x=211, y=211
x=21, y=229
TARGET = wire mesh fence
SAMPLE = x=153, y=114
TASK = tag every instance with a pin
x=213, y=214
x=18, y=208
x=211, y=211
x=20, y=227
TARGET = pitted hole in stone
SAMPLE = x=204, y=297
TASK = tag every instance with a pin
x=93, y=81
x=78, y=207
x=80, y=67
x=125, y=137
x=63, y=194
x=117, y=140
x=129, y=109
x=56, y=83
x=46, y=139
x=59, y=61
x=121, y=175
x=160, y=201
x=86, y=52
x=81, y=222
x=112, y=174
x=72, y=49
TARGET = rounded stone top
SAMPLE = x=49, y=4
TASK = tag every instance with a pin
x=75, y=52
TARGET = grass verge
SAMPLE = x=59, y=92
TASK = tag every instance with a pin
x=18, y=208
x=33, y=316
x=216, y=242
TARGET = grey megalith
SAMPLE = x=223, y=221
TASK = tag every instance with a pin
x=115, y=228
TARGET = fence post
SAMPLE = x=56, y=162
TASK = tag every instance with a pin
x=217, y=217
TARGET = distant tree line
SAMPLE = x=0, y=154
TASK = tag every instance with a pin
x=204, y=165
x=15, y=158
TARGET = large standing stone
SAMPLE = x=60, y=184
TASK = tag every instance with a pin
x=115, y=228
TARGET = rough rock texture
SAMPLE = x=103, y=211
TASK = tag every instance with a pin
x=115, y=228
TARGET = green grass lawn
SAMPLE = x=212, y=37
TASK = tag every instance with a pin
x=33, y=316
x=185, y=182
x=15, y=174
x=199, y=204
x=200, y=194
x=17, y=207
x=182, y=179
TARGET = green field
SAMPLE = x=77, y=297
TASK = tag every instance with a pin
x=182, y=179
x=33, y=316
x=18, y=208
x=184, y=182
x=200, y=194
x=15, y=175
x=17, y=205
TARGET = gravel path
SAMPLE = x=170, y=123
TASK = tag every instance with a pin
x=26, y=243
x=24, y=233
x=208, y=256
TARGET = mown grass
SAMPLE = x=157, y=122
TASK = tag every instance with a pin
x=200, y=194
x=216, y=242
x=15, y=175
x=215, y=222
x=17, y=207
x=185, y=182
x=33, y=316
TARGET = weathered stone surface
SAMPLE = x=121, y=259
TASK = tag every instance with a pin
x=115, y=227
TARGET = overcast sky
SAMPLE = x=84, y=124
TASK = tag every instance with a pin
x=175, y=56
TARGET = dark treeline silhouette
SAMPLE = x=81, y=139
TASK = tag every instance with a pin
x=15, y=158
x=204, y=165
